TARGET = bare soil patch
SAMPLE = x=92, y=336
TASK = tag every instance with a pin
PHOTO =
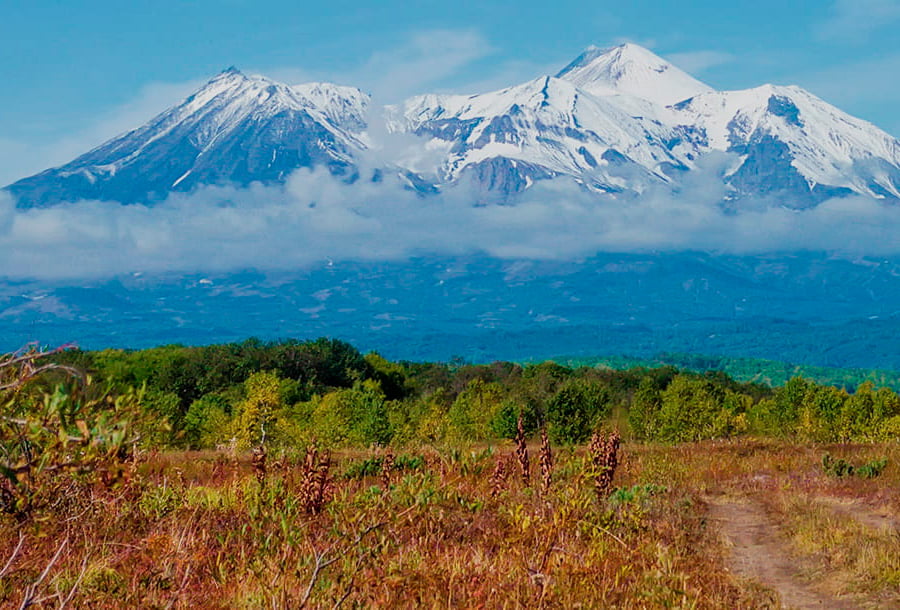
x=758, y=553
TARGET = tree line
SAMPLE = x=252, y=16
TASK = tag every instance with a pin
x=288, y=392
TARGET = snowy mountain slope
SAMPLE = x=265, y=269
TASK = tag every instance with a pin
x=345, y=107
x=790, y=140
x=633, y=70
x=543, y=128
x=235, y=129
x=614, y=109
x=615, y=120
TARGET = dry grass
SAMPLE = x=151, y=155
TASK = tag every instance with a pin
x=446, y=534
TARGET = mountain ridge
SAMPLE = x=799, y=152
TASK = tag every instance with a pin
x=615, y=121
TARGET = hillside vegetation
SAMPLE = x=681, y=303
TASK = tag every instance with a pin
x=292, y=392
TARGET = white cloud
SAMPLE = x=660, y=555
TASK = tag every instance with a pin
x=854, y=20
x=316, y=217
x=426, y=58
x=695, y=62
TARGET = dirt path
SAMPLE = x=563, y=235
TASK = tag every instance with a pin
x=872, y=518
x=758, y=554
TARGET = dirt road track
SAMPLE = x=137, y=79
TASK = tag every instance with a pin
x=758, y=554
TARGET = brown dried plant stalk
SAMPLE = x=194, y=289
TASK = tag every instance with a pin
x=316, y=488
x=522, y=452
x=546, y=459
x=500, y=475
x=604, y=459
x=259, y=464
x=387, y=466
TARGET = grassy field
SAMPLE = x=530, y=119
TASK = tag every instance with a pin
x=719, y=524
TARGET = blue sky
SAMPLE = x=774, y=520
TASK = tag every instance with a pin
x=77, y=72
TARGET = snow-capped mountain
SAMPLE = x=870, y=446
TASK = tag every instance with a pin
x=616, y=120
x=631, y=70
x=790, y=141
x=544, y=128
x=236, y=129
x=621, y=119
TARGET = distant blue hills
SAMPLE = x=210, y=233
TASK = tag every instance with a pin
x=806, y=309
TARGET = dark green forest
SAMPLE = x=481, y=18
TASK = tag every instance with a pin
x=287, y=392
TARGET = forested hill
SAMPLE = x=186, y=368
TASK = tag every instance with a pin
x=289, y=392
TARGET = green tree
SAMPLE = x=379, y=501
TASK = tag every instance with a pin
x=644, y=412
x=692, y=409
x=354, y=416
x=505, y=422
x=259, y=409
x=207, y=422
x=576, y=408
x=391, y=376
x=474, y=409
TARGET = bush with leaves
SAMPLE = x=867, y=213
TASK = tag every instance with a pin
x=207, y=422
x=575, y=410
x=356, y=416
x=643, y=415
x=474, y=410
x=56, y=437
x=259, y=410
x=693, y=409
x=504, y=423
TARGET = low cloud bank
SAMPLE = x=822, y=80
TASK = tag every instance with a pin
x=315, y=218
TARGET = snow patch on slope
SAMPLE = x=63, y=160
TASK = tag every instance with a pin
x=633, y=70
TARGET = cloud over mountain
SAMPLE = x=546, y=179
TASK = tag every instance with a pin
x=621, y=151
x=317, y=217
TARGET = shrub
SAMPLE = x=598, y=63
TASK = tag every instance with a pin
x=890, y=429
x=207, y=422
x=55, y=439
x=475, y=409
x=836, y=468
x=643, y=415
x=693, y=409
x=873, y=469
x=259, y=410
x=355, y=416
x=575, y=409
x=505, y=423
x=843, y=468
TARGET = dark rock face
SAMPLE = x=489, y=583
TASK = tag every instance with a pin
x=786, y=109
x=500, y=178
x=767, y=171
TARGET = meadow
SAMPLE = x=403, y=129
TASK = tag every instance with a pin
x=410, y=485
